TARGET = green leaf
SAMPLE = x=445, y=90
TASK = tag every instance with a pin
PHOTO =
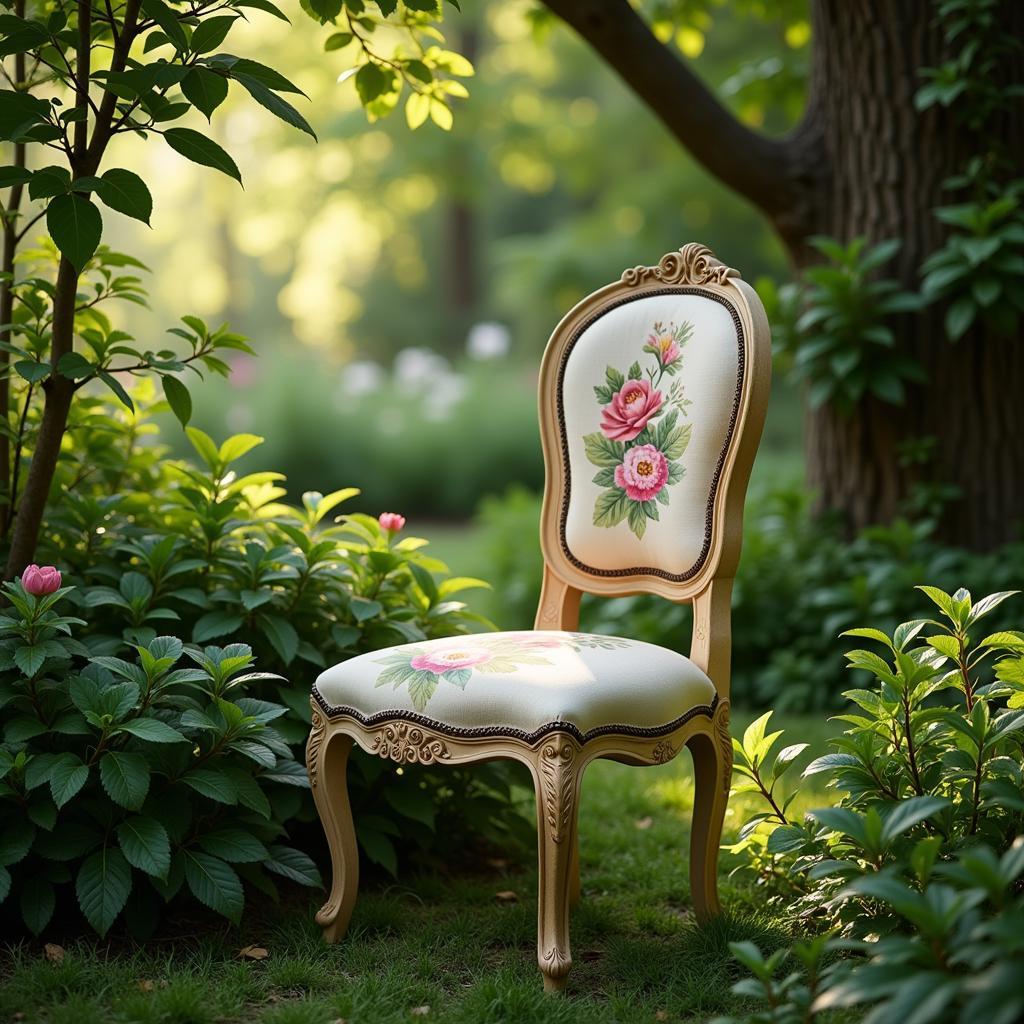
x=178, y=398
x=214, y=624
x=263, y=5
x=125, y=777
x=211, y=783
x=30, y=659
x=214, y=883
x=908, y=813
x=115, y=385
x=293, y=864
x=68, y=774
x=152, y=730
x=145, y=844
x=209, y=34
x=234, y=845
x=75, y=225
x=238, y=445
x=5, y=883
x=20, y=111
x=282, y=636
x=15, y=841
x=204, y=89
x=611, y=507
x=103, y=884
x=602, y=451
x=167, y=19
x=127, y=193
x=201, y=150
x=959, y=317
x=49, y=181
x=37, y=902
x=275, y=104
x=14, y=176
x=372, y=81
x=338, y=41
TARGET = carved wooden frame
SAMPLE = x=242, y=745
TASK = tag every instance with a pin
x=557, y=758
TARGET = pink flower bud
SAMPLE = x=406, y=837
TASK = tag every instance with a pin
x=41, y=579
x=391, y=521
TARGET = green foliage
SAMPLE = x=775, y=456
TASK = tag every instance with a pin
x=418, y=64
x=834, y=328
x=918, y=865
x=976, y=273
x=122, y=776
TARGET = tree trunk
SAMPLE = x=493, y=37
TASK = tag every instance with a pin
x=884, y=165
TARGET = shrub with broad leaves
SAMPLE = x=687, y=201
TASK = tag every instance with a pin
x=128, y=779
x=917, y=870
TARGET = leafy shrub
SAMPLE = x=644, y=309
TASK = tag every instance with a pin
x=917, y=867
x=154, y=543
x=799, y=583
x=133, y=778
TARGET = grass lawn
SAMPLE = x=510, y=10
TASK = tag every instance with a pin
x=447, y=943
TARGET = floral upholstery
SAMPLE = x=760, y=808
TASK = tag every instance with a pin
x=522, y=683
x=647, y=403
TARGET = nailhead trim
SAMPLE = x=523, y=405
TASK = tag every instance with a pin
x=507, y=732
x=709, y=513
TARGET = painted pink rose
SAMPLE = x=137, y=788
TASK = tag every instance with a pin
x=667, y=349
x=41, y=579
x=450, y=658
x=643, y=472
x=628, y=412
x=391, y=521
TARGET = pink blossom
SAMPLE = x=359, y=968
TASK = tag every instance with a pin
x=41, y=579
x=630, y=409
x=391, y=521
x=643, y=472
x=440, y=661
x=665, y=346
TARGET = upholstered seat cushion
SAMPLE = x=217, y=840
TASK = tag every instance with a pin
x=523, y=684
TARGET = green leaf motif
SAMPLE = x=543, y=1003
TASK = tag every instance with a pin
x=103, y=885
x=145, y=845
x=75, y=225
x=125, y=778
x=611, y=507
x=201, y=150
x=602, y=451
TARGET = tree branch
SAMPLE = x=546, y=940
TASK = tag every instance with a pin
x=757, y=167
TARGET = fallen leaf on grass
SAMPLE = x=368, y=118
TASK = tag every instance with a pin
x=661, y=1015
x=54, y=953
x=253, y=953
x=145, y=985
x=507, y=896
x=643, y=824
x=419, y=1011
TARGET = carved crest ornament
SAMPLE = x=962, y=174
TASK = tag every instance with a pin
x=692, y=264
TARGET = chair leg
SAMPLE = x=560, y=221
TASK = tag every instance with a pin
x=574, y=872
x=712, y=770
x=327, y=761
x=558, y=784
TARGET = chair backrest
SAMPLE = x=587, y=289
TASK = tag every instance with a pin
x=653, y=393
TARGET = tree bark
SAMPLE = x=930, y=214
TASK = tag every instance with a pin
x=863, y=162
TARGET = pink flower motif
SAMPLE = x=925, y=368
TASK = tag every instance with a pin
x=41, y=579
x=544, y=643
x=391, y=521
x=643, y=472
x=628, y=412
x=447, y=660
x=665, y=346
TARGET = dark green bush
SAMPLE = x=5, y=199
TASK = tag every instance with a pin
x=130, y=778
x=800, y=582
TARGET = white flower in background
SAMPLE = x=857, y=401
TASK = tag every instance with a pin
x=445, y=393
x=362, y=377
x=419, y=369
x=488, y=340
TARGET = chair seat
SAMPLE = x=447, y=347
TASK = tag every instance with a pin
x=522, y=684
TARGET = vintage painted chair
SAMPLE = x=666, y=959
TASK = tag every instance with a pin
x=652, y=399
